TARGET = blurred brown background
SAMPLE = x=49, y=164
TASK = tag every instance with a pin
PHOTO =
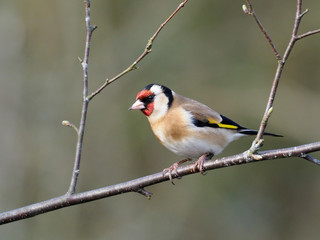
x=211, y=51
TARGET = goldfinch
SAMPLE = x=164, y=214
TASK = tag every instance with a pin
x=187, y=127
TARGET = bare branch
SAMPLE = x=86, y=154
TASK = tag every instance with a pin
x=71, y=125
x=311, y=159
x=307, y=34
x=146, y=51
x=281, y=62
x=85, y=101
x=250, y=11
x=145, y=193
x=86, y=98
x=138, y=185
x=257, y=142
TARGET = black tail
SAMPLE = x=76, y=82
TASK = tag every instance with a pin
x=247, y=131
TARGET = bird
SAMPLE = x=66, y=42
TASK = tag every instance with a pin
x=187, y=127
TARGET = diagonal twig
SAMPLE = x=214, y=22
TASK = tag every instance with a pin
x=311, y=159
x=146, y=51
x=257, y=143
x=86, y=99
x=307, y=34
x=250, y=11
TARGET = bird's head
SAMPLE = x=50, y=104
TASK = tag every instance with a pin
x=154, y=100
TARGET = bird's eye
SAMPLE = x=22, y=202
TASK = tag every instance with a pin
x=151, y=97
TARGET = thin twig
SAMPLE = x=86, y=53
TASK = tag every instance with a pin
x=141, y=183
x=145, y=193
x=85, y=101
x=307, y=34
x=250, y=11
x=71, y=125
x=146, y=51
x=311, y=158
x=256, y=144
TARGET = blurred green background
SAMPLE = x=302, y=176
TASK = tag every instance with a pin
x=211, y=51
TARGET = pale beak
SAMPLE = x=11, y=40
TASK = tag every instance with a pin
x=138, y=105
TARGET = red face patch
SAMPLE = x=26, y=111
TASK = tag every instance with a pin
x=143, y=94
x=149, y=107
x=148, y=110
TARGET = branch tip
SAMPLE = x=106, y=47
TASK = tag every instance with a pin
x=145, y=193
x=245, y=9
x=307, y=34
x=310, y=158
x=92, y=28
x=304, y=13
x=66, y=123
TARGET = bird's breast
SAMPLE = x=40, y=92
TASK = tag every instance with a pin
x=177, y=133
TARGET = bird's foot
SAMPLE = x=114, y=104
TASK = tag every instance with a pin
x=169, y=170
x=249, y=155
x=199, y=163
x=173, y=168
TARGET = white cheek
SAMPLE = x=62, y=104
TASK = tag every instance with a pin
x=160, y=107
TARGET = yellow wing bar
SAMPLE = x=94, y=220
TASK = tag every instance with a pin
x=222, y=125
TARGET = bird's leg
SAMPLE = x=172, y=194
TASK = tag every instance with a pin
x=199, y=163
x=174, y=168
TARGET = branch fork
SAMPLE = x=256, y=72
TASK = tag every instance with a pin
x=248, y=9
